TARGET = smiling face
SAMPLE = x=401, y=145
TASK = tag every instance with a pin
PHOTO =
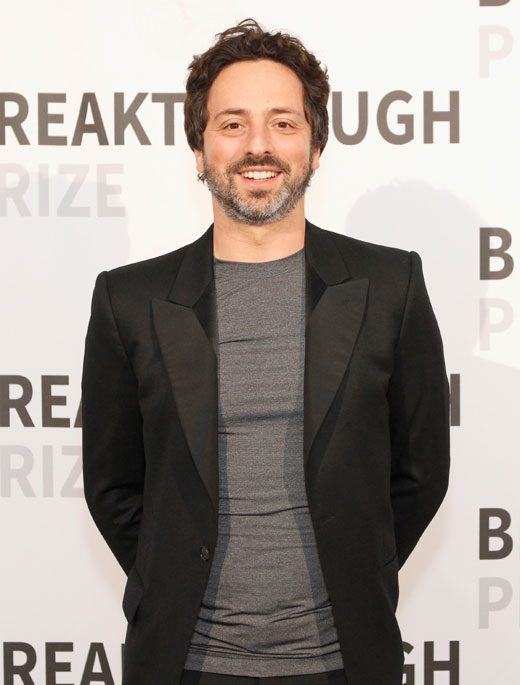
x=257, y=157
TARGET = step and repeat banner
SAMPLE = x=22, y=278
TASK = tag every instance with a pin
x=95, y=172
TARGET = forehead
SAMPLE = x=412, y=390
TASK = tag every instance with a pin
x=255, y=86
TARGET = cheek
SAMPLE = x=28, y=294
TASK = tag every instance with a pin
x=221, y=152
x=295, y=150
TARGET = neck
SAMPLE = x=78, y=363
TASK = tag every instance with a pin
x=236, y=241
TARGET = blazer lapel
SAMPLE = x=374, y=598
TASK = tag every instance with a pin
x=186, y=328
x=335, y=304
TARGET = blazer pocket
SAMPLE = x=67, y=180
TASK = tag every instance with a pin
x=133, y=594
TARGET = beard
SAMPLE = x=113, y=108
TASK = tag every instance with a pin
x=257, y=207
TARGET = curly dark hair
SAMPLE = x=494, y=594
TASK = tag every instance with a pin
x=248, y=41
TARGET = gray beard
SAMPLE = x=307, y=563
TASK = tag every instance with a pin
x=240, y=209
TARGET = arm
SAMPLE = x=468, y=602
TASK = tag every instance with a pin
x=418, y=399
x=113, y=453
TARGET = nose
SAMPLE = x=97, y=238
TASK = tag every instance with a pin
x=259, y=140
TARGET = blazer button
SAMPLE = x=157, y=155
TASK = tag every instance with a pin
x=204, y=553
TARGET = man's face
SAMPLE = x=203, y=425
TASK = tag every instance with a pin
x=257, y=127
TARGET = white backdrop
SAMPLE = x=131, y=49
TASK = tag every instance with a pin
x=72, y=205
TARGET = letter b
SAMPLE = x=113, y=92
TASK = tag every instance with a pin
x=486, y=252
x=487, y=533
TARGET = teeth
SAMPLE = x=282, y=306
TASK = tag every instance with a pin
x=259, y=175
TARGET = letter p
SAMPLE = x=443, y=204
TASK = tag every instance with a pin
x=496, y=42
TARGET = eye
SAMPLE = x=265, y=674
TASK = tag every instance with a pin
x=283, y=124
x=233, y=125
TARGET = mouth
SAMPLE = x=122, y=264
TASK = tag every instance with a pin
x=259, y=177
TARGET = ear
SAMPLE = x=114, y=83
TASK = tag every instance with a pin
x=199, y=161
x=316, y=159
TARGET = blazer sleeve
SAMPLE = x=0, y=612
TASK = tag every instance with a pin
x=418, y=397
x=113, y=452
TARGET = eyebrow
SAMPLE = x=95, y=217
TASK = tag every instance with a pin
x=240, y=111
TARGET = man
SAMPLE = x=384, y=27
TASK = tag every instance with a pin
x=265, y=410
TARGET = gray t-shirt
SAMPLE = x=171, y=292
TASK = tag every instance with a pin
x=265, y=611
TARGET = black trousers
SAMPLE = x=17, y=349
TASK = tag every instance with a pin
x=205, y=678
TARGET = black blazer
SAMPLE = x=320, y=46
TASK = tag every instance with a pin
x=376, y=440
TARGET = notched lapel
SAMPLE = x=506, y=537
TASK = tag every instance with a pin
x=331, y=334
x=185, y=327
x=335, y=309
x=192, y=369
